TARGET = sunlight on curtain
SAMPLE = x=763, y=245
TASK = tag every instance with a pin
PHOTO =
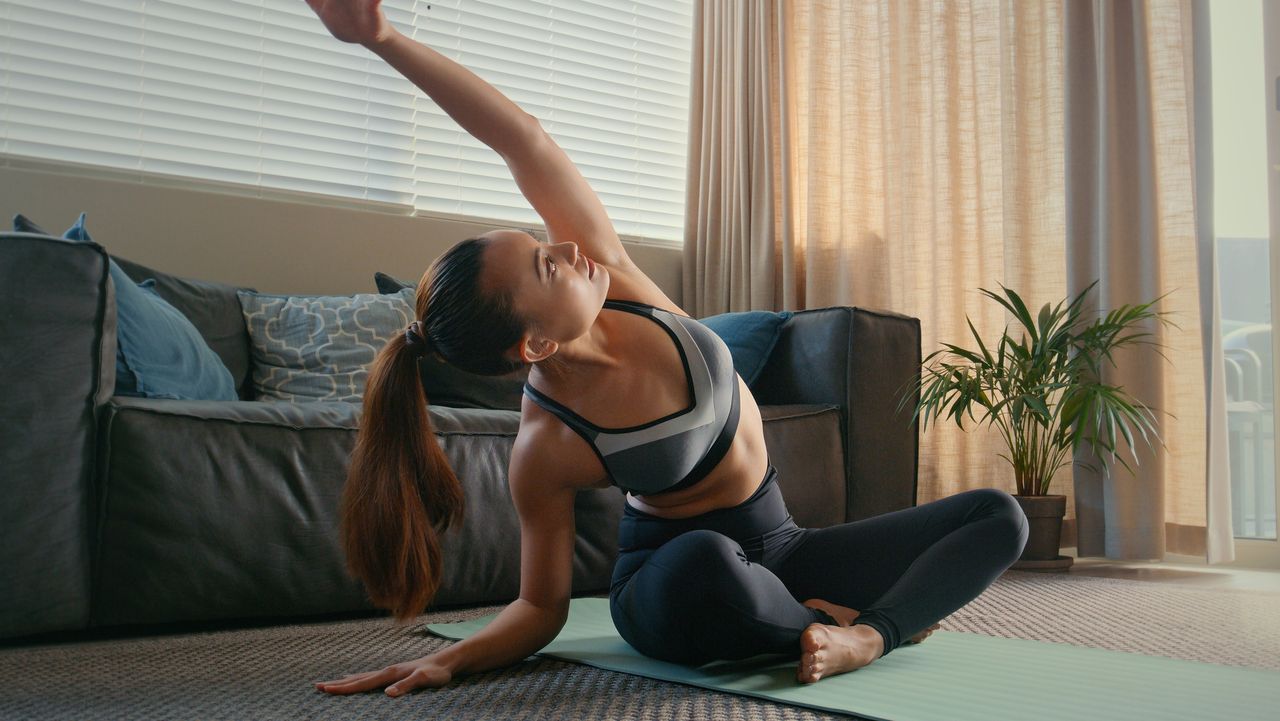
x=926, y=147
x=916, y=152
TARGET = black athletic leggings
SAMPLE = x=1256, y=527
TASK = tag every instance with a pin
x=728, y=584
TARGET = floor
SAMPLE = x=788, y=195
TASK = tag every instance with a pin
x=1183, y=571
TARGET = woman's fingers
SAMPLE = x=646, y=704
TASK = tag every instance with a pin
x=361, y=681
x=395, y=680
x=352, y=677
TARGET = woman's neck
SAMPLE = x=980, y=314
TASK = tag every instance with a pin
x=602, y=349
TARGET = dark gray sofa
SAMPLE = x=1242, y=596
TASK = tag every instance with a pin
x=122, y=511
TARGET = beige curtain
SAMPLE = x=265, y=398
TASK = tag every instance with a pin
x=735, y=155
x=902, y=154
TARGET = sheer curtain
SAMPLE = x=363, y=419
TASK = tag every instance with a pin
x=901, y=155
x=1131, y=221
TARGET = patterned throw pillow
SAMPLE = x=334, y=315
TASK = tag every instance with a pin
x=319, y=348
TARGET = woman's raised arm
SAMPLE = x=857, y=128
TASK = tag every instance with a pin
x=542, y=170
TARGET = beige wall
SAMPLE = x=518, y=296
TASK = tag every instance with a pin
x=296, y=244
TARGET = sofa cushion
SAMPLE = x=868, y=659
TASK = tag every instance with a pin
x=450, y=386
x=160, y=354
x=319, y=347
x=251, y=531
x=806, y=446
x=220, y=510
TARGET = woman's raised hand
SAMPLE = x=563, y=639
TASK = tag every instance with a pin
x=354, y=21
x=425, y=672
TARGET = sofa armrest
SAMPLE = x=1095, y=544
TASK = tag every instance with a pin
x=57, y=356
x=860, y=360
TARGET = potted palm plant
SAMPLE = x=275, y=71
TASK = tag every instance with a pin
x=1042, y=392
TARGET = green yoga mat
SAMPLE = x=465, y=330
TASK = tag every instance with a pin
x=957, y=676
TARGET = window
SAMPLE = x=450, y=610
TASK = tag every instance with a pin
x=255, y=96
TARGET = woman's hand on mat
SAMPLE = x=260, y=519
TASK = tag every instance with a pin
x=354, y=21
x=397, y=680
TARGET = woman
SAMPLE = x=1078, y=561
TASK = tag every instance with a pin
x=711, y=566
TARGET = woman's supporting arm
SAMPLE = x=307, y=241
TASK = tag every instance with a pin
x=520, y=630
x=544, y=500
x=544, y=504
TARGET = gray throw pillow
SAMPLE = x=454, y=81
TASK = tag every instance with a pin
x=319, y=348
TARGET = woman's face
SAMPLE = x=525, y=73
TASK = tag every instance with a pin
x=553, y=285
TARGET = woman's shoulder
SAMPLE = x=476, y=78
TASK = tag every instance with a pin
x=628, y=283
x=546, y=451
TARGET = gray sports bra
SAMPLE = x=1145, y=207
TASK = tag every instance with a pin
x=678, y=450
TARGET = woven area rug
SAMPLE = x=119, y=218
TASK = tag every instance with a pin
x=266, y=673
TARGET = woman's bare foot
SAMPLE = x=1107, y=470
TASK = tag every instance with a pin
x=845, y=616
x=830, y=650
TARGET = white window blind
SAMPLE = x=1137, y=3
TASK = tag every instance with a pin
x=258, y=95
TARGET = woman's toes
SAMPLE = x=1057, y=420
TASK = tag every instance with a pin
x=925, y=633
x=813, y=639
x=812, y=651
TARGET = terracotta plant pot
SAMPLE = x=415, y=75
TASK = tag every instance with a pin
x=1044, y=516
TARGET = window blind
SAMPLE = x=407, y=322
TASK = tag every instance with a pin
x=257, y=96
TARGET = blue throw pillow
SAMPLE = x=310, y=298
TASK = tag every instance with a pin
x=751, y=336
x=159, y=353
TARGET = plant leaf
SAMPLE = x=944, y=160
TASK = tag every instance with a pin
x=963, y=353
x=1022, y=314
x=985, y=353
x=1044, y=321
x=1038, y=405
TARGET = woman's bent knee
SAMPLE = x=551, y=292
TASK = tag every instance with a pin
x=1011, y=509
x=999, y=504
x=662, y=608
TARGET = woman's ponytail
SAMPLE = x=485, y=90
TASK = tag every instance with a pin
x=400, y=495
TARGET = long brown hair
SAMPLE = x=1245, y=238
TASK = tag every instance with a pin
x=401, y=494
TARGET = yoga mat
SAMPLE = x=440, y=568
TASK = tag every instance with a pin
x=956, y=676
